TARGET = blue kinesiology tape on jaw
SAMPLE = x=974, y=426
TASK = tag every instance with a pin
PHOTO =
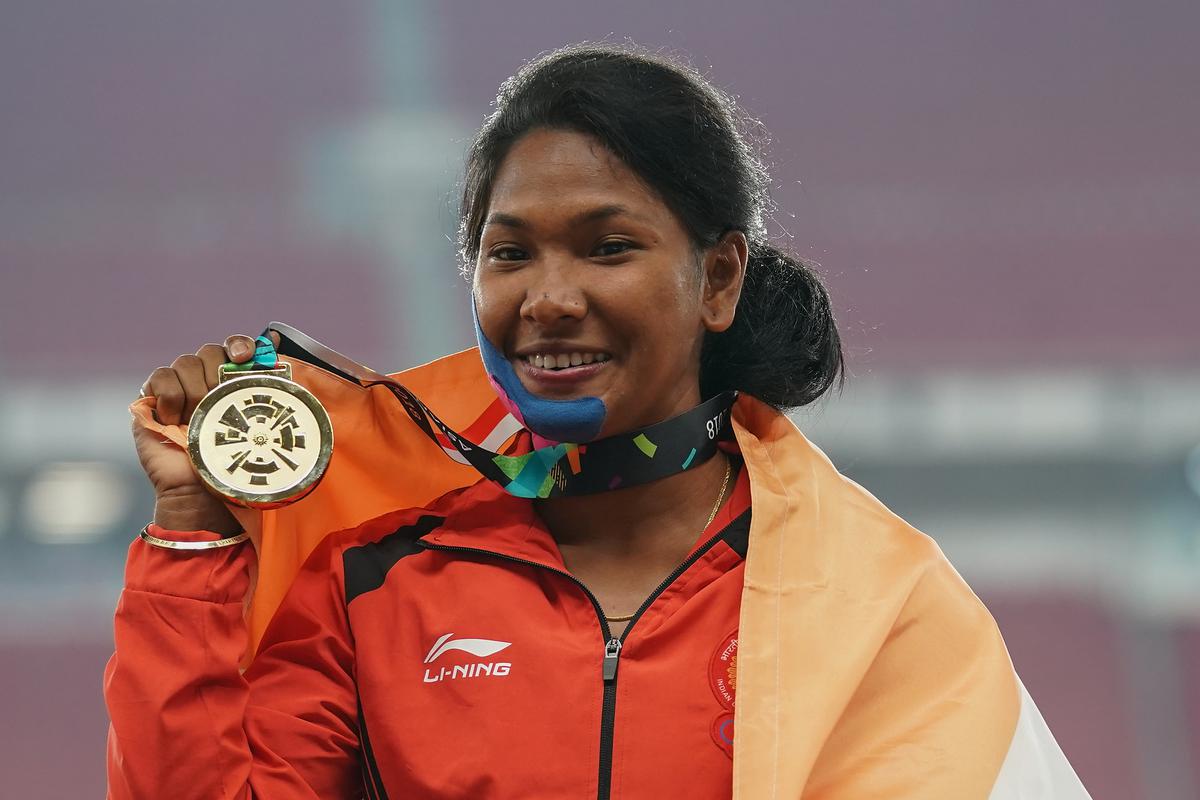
x=578, y=420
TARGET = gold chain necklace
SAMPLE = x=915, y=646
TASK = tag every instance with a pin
x=711, y=516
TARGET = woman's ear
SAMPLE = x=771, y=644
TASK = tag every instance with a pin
x=724, y=271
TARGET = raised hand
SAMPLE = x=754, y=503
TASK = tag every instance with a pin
x=182, y=502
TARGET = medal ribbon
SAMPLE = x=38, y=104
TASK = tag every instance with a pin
x=626, y=459
x=265, y=357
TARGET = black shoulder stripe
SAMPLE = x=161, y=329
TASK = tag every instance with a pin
x=367, y=565
x=737, y=534
x=372, y=780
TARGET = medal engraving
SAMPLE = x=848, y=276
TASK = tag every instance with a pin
x=259, y=439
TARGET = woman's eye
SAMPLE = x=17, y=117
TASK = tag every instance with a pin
x=612, y=248
x=508, y=254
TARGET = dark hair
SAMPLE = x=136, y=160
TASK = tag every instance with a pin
x=681, y=135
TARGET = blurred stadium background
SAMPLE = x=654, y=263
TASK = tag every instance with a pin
x=1004, y=196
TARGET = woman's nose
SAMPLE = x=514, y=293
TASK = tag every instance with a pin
x=554, y=301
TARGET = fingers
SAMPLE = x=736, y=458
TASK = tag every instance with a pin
x=179, y=387
x=163, y=384
x=240, y=348
x=212, y=356
x=190, y=371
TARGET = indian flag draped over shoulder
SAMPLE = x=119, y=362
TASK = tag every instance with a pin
x=867, y=668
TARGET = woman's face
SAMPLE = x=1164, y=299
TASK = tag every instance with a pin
x=590, y=286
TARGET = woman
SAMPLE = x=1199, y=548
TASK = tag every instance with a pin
x=491, y=645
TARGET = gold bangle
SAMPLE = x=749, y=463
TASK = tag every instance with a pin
x=167, y=544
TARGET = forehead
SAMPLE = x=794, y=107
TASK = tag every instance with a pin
x=549, y=173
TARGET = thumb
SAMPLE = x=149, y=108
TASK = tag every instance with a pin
x=240, y=348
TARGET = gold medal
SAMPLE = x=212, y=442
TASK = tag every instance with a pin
x=260, y=439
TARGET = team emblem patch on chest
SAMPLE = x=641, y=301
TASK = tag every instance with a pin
x=722, y=677
x=722, y=670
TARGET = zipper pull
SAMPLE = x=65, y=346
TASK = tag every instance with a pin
x=612, y=652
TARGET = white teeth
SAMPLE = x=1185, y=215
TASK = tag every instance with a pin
x=564, y=360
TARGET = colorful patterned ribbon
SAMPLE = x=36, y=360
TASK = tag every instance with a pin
x=265, y=357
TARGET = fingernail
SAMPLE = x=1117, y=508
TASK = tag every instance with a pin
x=239, y=349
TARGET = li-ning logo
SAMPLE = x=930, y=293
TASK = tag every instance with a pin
x=480, y=648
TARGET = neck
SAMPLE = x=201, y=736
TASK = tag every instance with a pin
x=654, y=518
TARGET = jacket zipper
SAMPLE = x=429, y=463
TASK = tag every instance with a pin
x=612, y=644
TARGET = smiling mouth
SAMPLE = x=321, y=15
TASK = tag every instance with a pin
x=562, y=361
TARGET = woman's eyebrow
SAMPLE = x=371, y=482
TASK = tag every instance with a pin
x=603, y=212
x=507, y=220
x=591, y=215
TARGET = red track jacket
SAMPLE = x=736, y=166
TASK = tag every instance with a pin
x=439, y=652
